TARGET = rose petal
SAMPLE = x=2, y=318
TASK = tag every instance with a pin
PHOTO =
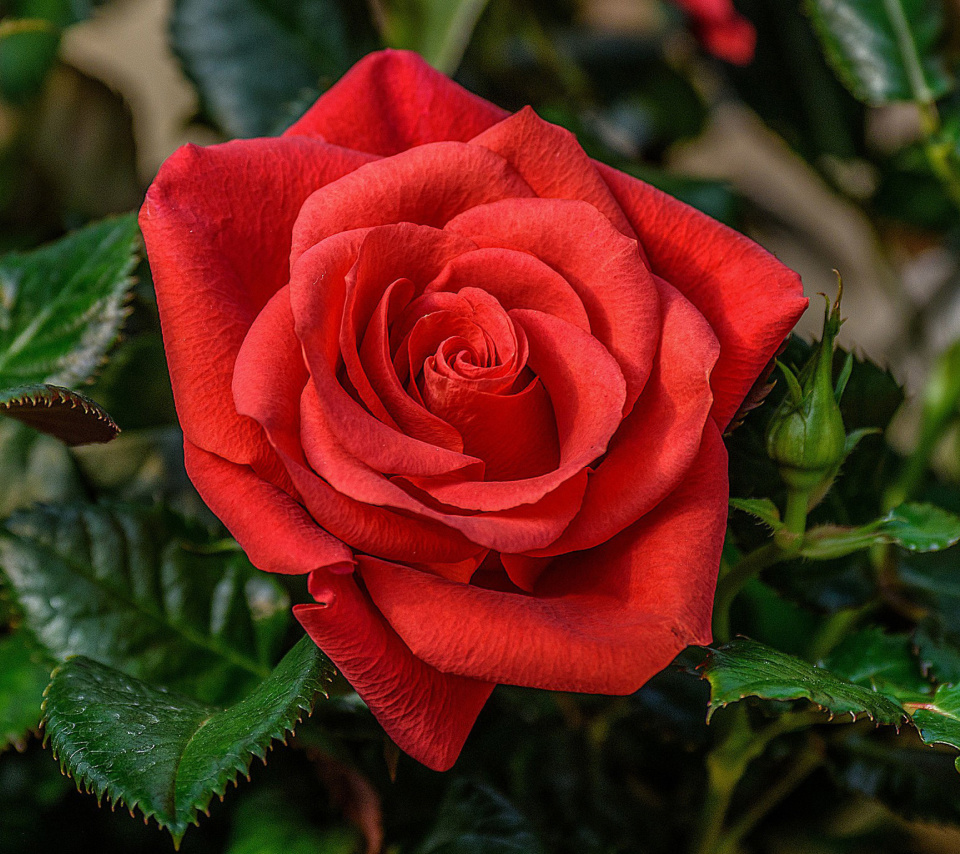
x=750, y=299
x=587, y=390
x=376, y=366
x=268, y=383
x=275, y=531
x=386, y=253
x=428, y=185
x=391, y=101
x=514, y=434
x=218, y=250
x=516, y=280
x=602, y=621
x=514, y=529
x=427, y=713
x=269, y=380
x=605, y=271
x=551, y=161
x=660, y=439
x=318, y=293
x=381, y=530
x=724, y=33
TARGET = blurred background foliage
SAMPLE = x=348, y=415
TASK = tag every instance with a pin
x=827, y=163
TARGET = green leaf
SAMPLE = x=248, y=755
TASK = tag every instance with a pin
x=879, y=661
x=130, y=587
x=939, y=721
x=915, y=527
x=252, y=59
x=937, y=651
x=761, y=508
x=744, y=668
x=475, y=819
x=884, y=50
x=165, y=754
x=61, y=306
x=438, y=30
x=922, y=527
x=69, y=416
x=23, y=676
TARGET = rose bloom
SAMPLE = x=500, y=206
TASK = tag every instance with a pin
x=469, y=380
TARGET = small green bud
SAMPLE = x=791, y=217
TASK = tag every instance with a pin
x=806, y=437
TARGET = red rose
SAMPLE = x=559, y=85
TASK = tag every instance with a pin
x=723, y=32
x=471, y=381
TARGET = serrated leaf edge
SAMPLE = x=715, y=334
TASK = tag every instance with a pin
x=28, y=396
x=285, y=727
x=712, y=706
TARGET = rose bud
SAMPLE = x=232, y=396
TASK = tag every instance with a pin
x=806, y=437
x=469, y=380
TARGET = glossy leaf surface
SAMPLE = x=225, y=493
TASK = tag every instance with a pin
x=131, y=588
x=165, y=754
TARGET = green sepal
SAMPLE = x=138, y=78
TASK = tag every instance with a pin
x=760, y=508
x=843, y=378
x=794, y=391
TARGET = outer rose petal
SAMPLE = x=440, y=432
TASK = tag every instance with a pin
x=750, y=299
x=551, y=161
x=391, y=101
x=601, y=621
x=427, y=713
x=277, y=534
x=218, y=251
x=426, y=185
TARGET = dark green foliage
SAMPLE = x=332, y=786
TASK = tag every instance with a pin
x=745, y=668
x=474, y=819
x=252, y=59
x=61, y=306
x=163, y=753
x=884, y=51
x=24, y=673
x=132, y=588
